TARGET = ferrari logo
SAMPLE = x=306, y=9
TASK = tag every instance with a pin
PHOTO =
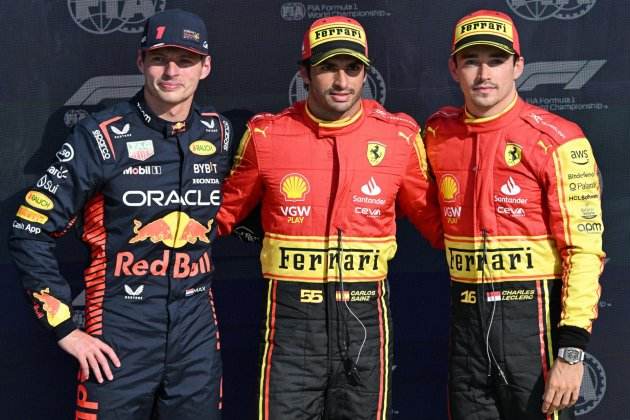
x=375, y=152
x=513, y=154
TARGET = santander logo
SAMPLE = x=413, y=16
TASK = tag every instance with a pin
x=510, y=187
x=371, y=188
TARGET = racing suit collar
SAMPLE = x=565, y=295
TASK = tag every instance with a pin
x=167, y=128
x=494, y=122
x=332, y=128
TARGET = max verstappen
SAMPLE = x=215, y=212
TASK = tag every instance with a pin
x=144, y=177
x=332, y=173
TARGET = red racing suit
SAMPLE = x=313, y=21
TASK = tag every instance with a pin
x=520, y=200
x=330, y=194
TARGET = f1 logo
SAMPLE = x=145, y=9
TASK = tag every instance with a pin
x=571, y=74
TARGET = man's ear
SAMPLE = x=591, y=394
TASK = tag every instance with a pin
x=206, y=67
x=140, y=61
x=452, y=68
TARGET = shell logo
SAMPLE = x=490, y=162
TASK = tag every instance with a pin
x=294, y=187
x=202, y=148
x=39, y=200
x=449, y=187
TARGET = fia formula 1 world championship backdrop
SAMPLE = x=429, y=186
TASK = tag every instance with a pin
x=65, y=58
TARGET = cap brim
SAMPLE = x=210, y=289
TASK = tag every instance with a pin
x=497, y=45
x=192, y=50
x=340, y=51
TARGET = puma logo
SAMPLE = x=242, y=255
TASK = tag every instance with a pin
x=543, y=145
x=261, y=130
x=406, y=137
x=432, y=130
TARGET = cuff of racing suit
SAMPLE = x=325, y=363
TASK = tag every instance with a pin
x=65, y=328
x=570, y=336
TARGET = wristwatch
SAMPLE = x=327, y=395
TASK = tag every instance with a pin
x=571, y=355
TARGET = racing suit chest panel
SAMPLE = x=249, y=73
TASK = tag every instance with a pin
x=160, y=196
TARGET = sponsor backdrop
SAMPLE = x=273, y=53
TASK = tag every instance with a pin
x=65, y=58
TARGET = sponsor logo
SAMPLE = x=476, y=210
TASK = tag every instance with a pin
x=159, y=198
x=294, y=187
x=367, y=200
x=174, y=230
x=582, y=186
x=120, y=133
x=449, y=188
x=178, y=127
x=373, y=88
x=33, y=230
x=39, y=200
x=212, y=181
x=143, y=170
x=580, y=157
x=583, y=197
x=102, y=147
x=510, y=187
x=375, y=152
x=452, y=214
x=66, y=153
x=226, y=136
x=202, y=148
x=471, y=260
x=295, y=214
x=590, y=227
x=510, y=295
x=47, y=184
x=511, y=211
x=593, y=386
x=106, y=16
x=588, y=213
x=580, y=175
x=314, y=259
x=205, y=168
x=513, y=154
x=56, y=311
x=58, y=172
x=355, y=295
x=371, y=188
x=538, y=10
x=366, y=211
x=145, y=115
x=209, y=126
x=194, y=291
x=182, y=265
x=544, y=146
x=31, y=215
x=134, y=294
x=188, y=34
x=140, y=150
x=293, y=11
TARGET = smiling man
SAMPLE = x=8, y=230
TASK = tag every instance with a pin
x=332, y=174
x=143, y=179
x=520, y=198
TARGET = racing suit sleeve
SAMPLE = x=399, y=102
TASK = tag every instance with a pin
x=49, y=210
x=242, y=189
x=417, y=196
x=571, y=180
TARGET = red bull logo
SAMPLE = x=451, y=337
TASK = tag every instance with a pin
x=56, y=311
x=174, y=230
x=183, y=267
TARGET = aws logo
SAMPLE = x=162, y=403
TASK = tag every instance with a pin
x=294, y=187
x=580, y=157
x=449, y=187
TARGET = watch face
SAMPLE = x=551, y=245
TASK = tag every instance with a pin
x=572, y=355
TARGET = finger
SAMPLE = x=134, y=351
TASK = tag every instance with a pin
x=547, y=400
x=95, y=368
x=102, y=361
x=566, y=400
x=110, y=353
x=575, y=395
x=85, y=369
x=556, y=404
